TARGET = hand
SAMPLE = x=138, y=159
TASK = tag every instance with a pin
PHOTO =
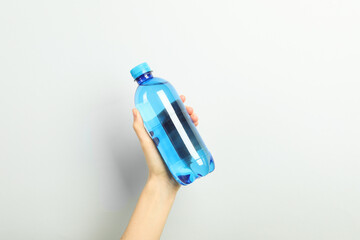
x=158, y=172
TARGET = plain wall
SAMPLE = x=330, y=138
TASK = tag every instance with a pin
x=276, y=85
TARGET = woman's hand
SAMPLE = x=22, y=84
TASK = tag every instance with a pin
x=158, y=195
x=158, y=172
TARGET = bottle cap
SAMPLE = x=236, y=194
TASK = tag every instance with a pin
x=140, y=70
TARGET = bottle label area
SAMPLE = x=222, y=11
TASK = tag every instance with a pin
x=174, y=123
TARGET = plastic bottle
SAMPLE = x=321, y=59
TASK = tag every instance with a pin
x=170, y=126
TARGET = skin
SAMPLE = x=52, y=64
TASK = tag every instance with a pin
x=152, y=209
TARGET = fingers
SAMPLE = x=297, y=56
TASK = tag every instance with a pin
x=183, y=98
x=152, y=156
x=139, y=128
x=195, y=119
x=190, y=111
x=193, y=116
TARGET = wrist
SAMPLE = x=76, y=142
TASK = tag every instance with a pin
x=164, y=185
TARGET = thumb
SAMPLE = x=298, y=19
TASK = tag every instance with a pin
x=139, y=128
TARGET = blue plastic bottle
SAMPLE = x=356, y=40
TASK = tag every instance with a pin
x=170, y=126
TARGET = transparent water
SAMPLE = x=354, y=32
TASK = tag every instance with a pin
x=172, y=130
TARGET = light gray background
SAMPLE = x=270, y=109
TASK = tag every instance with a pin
x=276, y=86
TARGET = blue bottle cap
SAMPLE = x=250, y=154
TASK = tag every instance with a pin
x=140, y=70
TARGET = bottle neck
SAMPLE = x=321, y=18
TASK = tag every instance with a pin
x=143, y=78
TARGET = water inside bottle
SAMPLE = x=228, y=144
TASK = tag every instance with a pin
x=177, y=139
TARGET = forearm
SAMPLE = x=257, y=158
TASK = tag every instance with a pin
x=151, y=211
